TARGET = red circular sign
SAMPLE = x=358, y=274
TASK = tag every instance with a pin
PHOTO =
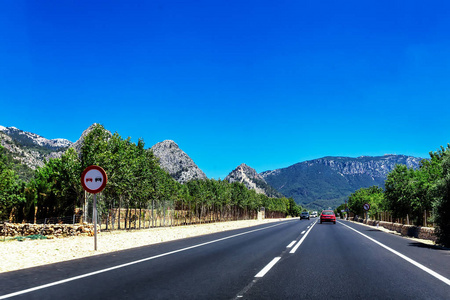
x=93, y=179
x=366, y=206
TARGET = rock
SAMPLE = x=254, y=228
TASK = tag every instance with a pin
x=176, y=162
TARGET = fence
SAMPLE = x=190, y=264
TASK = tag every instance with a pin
x=74, y=219
x=406, y=220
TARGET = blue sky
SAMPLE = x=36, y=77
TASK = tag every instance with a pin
x=266, y=83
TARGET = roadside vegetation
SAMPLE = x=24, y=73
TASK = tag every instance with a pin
x=135, y=182
x=412, y=193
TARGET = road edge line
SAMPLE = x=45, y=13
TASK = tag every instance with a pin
x=40, y=287
x=415, y=263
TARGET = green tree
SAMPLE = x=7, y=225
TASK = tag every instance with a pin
x=11, y=188
x=397, y=194
x=373, y=196
x=442, y=204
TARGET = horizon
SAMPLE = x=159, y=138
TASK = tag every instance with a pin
x=262, y=83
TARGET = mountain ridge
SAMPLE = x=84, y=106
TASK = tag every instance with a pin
x=32, y=150
x=317, y=183
x=328, y=181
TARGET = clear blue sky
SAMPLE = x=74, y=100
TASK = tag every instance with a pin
x=266, y=83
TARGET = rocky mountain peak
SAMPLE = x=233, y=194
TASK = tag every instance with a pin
x=176, y=162
x=252, y=180
x=79, y=143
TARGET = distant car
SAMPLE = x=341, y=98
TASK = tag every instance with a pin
x=314, y=214
x=304, y=215
x=327, y=216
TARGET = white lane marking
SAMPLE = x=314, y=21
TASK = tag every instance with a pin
x=291, y=244
x=301, y=241
x=268, y=267
x=420, y=266
x=127, y=264
x=303, y=232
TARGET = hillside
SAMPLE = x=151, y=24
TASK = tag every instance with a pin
x=175, y=161
x=30, y=151
x=252, y=180
x=328, y=181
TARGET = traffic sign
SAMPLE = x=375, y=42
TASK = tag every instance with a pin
x=366, y=206
x=93, y=179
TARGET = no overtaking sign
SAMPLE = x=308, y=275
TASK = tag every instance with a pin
x=93, y=179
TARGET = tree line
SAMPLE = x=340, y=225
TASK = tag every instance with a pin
x=135, y=182
x=411, y=192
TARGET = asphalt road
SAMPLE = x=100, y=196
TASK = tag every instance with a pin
x=284, y=260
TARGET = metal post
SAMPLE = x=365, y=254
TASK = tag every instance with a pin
x=94, y=215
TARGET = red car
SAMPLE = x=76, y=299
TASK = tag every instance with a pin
x=327, y=216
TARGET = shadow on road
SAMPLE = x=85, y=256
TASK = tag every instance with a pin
x=426, y=246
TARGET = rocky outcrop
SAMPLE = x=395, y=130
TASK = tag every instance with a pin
x=31, y=139
x=248, y=176
x=30, y=156
x=34, y=150
x=252, y=180
x=79, y=143
x=176, y=162
x=372, y=166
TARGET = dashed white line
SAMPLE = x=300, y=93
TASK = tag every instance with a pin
x=128, y=264
x=268, y=267
x=301, y=241
x=291, y=244
x=303, y=232
x=420, y=266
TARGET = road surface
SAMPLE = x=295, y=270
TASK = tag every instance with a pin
x=295, y=259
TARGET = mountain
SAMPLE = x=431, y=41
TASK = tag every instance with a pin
x=32, y=140
x=328, y=181
x=30, y=149
x=252, y=180
x=175, y=161
x=79, y=143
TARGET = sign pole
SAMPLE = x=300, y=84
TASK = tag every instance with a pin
x=94, y=214
x=93, y=180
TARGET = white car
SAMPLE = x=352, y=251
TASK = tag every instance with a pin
x=314, y=214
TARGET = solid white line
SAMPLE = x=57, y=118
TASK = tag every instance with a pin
x=291, y=244
x=127, y=264
x=268, y=267
x=420, y=266
x=301, y=241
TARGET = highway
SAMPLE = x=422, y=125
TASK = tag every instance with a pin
x=294, y=259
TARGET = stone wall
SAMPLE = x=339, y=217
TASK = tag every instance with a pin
x=426, y=233
x=56, y=230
